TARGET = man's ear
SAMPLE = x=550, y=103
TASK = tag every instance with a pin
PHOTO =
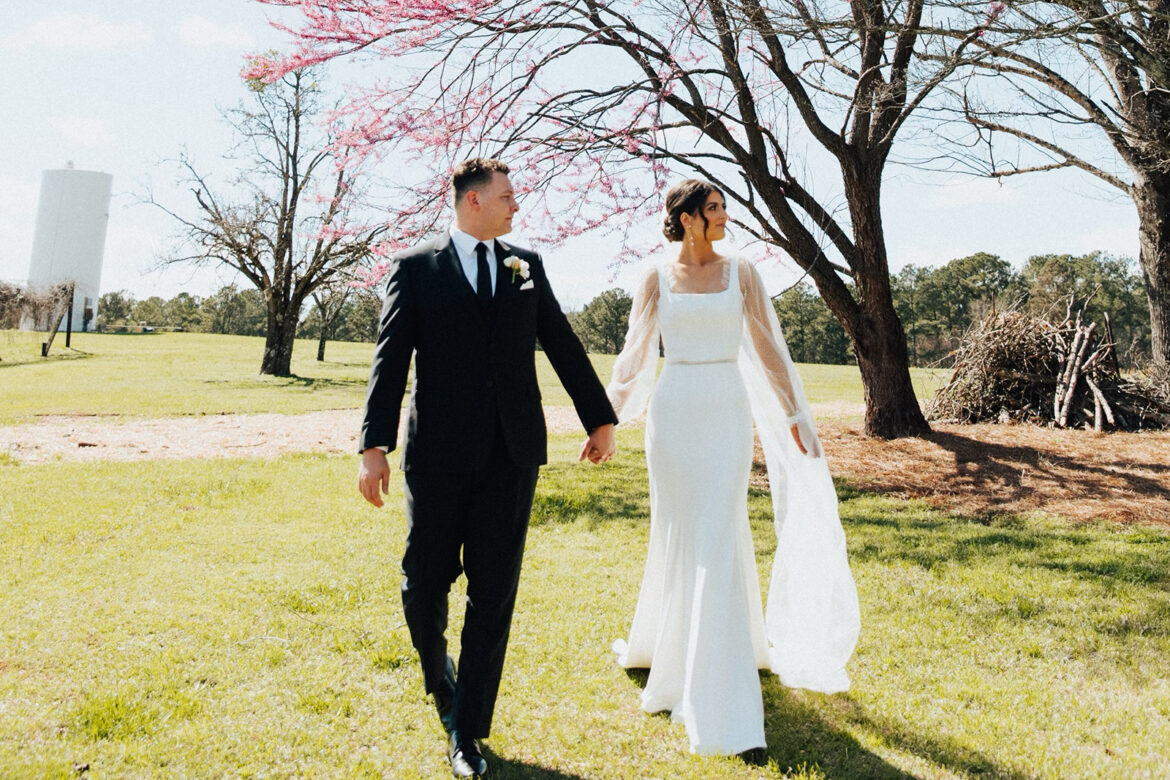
x=471, y=199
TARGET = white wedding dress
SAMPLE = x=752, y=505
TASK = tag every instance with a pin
x=699, y=624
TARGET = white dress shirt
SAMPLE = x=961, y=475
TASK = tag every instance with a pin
x=465, y=250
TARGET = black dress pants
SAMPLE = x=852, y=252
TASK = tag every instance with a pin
x=484, y=516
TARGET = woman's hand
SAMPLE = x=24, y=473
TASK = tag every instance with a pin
x=806, y=440
x=796, y=438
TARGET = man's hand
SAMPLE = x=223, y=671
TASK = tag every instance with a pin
x=600, y=445
x=374, y=475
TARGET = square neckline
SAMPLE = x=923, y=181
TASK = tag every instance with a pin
x=664, y=278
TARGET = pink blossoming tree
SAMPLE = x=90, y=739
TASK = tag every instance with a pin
x=599, y=104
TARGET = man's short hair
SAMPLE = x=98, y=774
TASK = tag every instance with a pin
x=474, y=174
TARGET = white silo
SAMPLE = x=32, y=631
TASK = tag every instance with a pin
x=70, y=237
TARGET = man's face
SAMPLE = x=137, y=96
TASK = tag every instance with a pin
x=496, y=206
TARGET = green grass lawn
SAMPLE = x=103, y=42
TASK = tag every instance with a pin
x=241, y=618
x=168, y=374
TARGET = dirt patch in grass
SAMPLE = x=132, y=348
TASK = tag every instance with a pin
x=96, y=438
x=971, y=469
x=988, y=469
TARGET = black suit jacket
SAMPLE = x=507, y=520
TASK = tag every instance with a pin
x=471, y=366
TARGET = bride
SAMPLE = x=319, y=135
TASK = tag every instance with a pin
x=699, y=624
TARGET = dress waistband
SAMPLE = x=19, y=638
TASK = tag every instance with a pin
x=670, y=362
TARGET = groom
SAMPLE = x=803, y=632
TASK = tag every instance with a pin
x=470, y=309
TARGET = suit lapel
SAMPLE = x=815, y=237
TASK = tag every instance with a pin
x=451, y=270
x=447, y=260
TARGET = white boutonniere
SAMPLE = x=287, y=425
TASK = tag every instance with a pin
x=518, y=266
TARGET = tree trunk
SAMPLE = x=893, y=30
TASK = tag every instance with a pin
x=278, y=343
x=891, y=408
x=321, y=346
x=1151, y=195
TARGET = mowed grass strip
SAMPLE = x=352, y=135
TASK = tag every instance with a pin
x=171, y=374
x=241, y=618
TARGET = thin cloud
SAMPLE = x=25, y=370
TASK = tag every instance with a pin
x=199, y=32
x=967, y=192
x=78, y=32
x=18, y=208
x=82, y=131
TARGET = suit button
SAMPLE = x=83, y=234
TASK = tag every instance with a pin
x=489, y=383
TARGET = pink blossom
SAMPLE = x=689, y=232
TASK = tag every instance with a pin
x=456, y=78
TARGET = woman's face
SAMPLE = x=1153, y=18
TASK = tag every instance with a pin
x=716, y=216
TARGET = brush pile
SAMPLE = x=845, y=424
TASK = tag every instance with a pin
x=1014, y=366
x=33, y=310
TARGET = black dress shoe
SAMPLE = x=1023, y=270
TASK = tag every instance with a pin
x=445, y=696
x=466, y=760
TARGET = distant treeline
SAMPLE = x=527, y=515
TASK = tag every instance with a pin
x=237, y=311
x=937, y=305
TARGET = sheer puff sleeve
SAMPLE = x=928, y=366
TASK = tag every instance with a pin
x=813, y=617
x=634, y=369
x=769, y=354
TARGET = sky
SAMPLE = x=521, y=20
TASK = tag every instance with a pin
x=122, y=86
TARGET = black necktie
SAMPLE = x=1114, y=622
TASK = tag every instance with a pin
x=483, y=282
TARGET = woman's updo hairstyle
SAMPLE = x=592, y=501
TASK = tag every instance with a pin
x=686, y=197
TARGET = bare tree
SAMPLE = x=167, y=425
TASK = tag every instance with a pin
x=601, y=101
x=330, y=299
x=1060, y=69
x=285, y=225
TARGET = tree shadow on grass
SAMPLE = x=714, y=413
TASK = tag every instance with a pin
x=799, y=734
x=937, y=539
x=292, y=380
x=566, y=494
x=16, y=360
x=509, y=768
x=999, y=469
x=313, y=382
x=362, y=364
x=1081, y=478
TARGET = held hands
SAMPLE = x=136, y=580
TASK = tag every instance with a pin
x=374, y=475
x=600, y=445
x=374, y=471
